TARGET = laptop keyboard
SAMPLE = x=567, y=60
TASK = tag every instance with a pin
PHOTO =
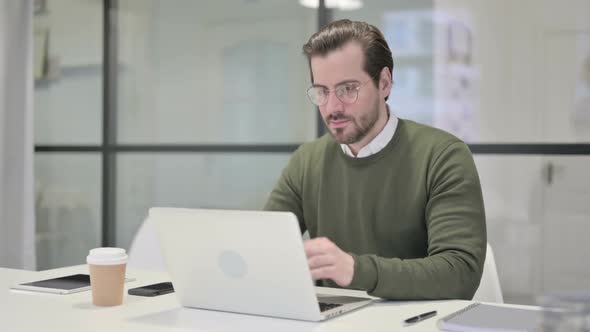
x=327, y=306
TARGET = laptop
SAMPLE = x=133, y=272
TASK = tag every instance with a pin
x=250, y=262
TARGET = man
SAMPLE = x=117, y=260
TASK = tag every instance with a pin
x=392, y=207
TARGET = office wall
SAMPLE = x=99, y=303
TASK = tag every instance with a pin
x=224, y=72
x=529, y=57
x=68, y=110
x=218, y=73
x=189, y=72
x=196, y=72
x=68, y=103
x=505, y=72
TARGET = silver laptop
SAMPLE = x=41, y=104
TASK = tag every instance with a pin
x=249, y=262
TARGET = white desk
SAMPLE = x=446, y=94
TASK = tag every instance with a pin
x=29, y=311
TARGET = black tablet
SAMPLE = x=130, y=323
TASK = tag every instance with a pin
x=61, y=285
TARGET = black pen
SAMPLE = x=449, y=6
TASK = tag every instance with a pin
x=420, y=317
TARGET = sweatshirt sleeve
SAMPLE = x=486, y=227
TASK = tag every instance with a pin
x=286, y=194
x=455, y=222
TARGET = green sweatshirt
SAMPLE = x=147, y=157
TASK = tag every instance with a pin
x=411, y=216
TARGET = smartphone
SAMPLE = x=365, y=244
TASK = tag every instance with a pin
x=152, y=290
x=62, y=285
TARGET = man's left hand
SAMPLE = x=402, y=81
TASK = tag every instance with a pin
x=327, y=261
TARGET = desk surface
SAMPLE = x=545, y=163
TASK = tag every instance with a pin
x=30, y=311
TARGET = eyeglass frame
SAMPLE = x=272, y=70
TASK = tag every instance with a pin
x=356, y=88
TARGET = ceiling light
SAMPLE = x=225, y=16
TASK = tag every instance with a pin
x=333, y=4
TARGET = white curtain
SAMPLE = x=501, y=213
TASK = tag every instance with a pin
x=17, y=217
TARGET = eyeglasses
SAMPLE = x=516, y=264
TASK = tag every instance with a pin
x=347, y=93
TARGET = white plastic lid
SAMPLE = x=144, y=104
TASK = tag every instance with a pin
x=107, y=256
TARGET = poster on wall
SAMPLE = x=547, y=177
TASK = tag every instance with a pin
x=581, y=111
x=456, y=76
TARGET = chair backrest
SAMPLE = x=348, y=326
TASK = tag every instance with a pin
x=145, y=251
x=489, y=289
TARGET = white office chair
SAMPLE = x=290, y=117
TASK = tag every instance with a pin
x=489, y=289
x=145, y=251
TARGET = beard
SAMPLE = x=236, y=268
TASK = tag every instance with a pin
x=357, y=129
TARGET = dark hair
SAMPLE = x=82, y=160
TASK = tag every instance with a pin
x=338, y=33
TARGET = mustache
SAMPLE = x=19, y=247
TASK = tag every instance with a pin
x=337, y=116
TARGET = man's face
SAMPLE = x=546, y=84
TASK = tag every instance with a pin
x=348, y=123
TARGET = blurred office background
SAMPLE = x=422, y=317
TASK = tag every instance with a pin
x=141, y=103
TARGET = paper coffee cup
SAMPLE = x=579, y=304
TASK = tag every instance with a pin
x=107, y=275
